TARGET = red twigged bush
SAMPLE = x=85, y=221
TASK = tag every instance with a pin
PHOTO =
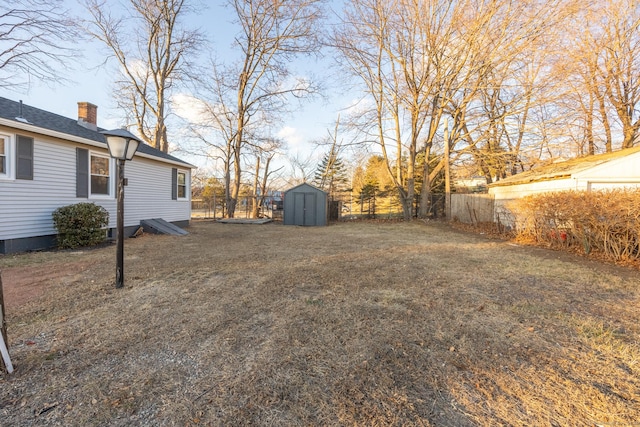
x=596, y=221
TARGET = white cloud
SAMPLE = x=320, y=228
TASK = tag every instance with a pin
x=359, y=106
x=291, y=136
x=190, y=108
x=136, y=67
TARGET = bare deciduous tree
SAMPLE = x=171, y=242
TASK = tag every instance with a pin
x=303, y=168
x=273, y=33
x=421, y=60
x=256, y=91
x=383, y=45
x=264, y=154
x=36, y=39
x=621, y=63
x=599, y=95
x=153, y=51
x=582, y=99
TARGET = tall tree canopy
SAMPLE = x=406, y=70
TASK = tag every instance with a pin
x=244, y=98
x=36, y=39
x=154, y=51
x=419, y=61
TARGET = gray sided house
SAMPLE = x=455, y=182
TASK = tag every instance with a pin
x=48, y=161
x=305, y=205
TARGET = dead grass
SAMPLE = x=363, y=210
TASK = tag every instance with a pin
x=352, y=324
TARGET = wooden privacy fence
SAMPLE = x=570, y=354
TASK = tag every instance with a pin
x=473, y=208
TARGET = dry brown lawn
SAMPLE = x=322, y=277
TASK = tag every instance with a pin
x=369, y=324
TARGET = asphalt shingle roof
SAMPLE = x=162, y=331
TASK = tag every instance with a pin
x=563, y=169
x=10, y=110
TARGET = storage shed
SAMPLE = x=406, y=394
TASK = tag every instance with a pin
x=305, y=205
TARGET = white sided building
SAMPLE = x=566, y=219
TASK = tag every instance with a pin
x=619, y=169
x=48, y=161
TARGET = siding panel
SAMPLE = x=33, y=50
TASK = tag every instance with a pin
x=149, y=193
x=27, y=205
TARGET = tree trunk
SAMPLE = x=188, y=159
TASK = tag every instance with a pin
x=161, y=137
x=235, y=187
x=227, y=189
x=425, y=191
x=447, y=176
x=629, y=135
x=589, y=128
x=263, y=185
x=407, y=206
x=254, y=201
x=237, y=171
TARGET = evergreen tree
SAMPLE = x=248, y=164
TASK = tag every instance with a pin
x=374, y=188
x=331, y=175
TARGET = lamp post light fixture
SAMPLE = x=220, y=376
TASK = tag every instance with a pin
x=122, y=146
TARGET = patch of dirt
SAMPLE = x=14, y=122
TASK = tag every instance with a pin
x=358, y=323
x=25, y=284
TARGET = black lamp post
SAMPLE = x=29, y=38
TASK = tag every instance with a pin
x=122, y=146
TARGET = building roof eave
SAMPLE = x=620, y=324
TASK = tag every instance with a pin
x=25, y=126
x=531, y=180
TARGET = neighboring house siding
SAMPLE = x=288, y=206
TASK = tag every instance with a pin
x=598, y=185
x=620, y=172
x=623, y=169
x=522, y=190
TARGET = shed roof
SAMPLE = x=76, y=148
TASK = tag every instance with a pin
x=41, y=121
x=565, y=169
x=306, y=186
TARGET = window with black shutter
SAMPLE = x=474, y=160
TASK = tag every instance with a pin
x=82, y=172
x=174, y=184
x=24, y=157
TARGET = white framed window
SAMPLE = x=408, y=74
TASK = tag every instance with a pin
x=100, y=176
x=6, y=150
x=182, y=184
x=180, y=187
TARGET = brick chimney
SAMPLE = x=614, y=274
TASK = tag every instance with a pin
x=88, y=115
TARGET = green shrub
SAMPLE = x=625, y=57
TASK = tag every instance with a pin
x=81, y=224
